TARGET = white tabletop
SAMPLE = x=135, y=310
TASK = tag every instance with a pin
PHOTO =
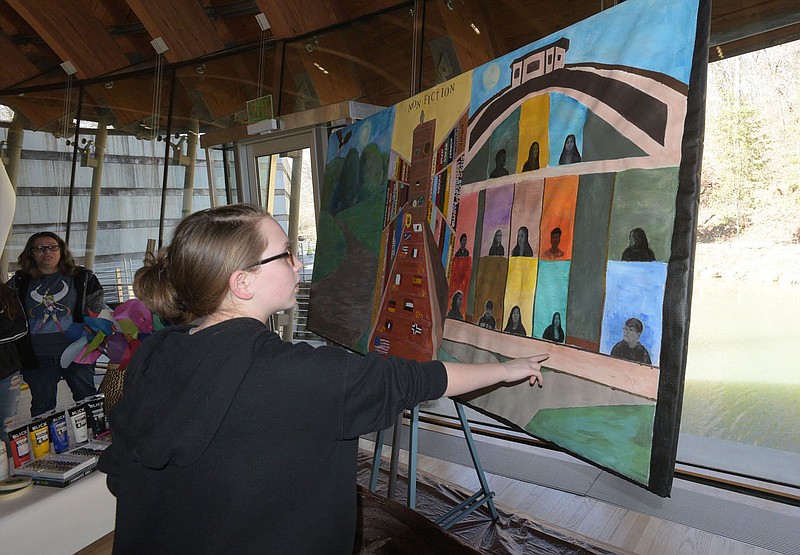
x=55, y=521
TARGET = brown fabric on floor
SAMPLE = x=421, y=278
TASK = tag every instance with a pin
x=387, y=527
x=510, y=534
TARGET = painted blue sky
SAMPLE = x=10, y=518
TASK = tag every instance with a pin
x=634, y=290
x=657, y=35
x=377, y=129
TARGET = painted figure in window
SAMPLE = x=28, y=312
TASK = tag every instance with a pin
x=638, y=249
x=487, y=320
x=462, y=250
x=630, y=348
x=570, y=154
x=499, y=164
x=497, y=248
x=532, y=163
x=555, y=240
x=455, y=306
x=554, y=332
x=523, y=246
x=514, y=324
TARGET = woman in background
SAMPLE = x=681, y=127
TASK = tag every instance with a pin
x=13, y=326
x=514, y=324
x=523, y=246
x=570, y=153
x=497, y=248
x=55, y=293
x=638, y=249
x=228, y=439
x=532, y=163
x=554, y=332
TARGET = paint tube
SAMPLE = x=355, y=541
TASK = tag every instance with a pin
x=20, y=446
x=96, y=415
x=39, y=438
x=57, y=424
x=77, y=423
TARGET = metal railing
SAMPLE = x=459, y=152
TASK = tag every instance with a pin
x=117, y=280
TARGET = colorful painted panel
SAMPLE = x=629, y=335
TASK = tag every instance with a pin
x=559, y=182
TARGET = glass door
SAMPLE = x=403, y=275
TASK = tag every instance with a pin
x=280, y=175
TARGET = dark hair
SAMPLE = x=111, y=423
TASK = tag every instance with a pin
x=639, y=237
x=66, y=265
x=189, y=278
x=463, y=236
x=635, y=323
x=9, y=302
x=490, y=304
x=555, y=230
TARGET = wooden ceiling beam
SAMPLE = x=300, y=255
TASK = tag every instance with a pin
x=74, y=34
x=184, y=26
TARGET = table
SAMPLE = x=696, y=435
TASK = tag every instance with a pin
x=54, y=521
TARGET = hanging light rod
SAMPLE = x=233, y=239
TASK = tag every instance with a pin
x=263, y=24
x=69, y=68
x=159, y=45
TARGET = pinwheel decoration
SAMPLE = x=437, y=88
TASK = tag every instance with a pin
x=116, y=335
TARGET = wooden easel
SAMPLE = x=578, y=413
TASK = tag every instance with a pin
x=460, y=511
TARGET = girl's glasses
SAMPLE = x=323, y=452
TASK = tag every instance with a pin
x=286, y=254
x=42, y=248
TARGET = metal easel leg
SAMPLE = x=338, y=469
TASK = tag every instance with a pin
x=484, y=495
x=376, y=461
x=413, y=440
x=394, y=460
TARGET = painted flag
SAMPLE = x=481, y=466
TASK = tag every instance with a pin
x=417, y=280
x=415, y=253
x=391, y=306
x=404, y=248
x=408, y=305
x=418, y=227
x=415, y=329
x=382, y=345
x=406, y=235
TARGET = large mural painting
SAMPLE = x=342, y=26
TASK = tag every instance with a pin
x=543, y=202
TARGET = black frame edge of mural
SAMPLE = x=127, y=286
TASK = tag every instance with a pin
x=678, y=293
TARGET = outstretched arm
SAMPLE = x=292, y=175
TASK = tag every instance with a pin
x=463, y=378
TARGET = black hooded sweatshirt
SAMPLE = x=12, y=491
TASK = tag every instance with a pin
x=230, y=440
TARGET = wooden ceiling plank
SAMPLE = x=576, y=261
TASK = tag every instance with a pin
x=735, y=20
x=298, y=17
x=16, y=67
x=44, y=109
x=73, y=34
x=222, y=86
x=184, y=26
x=765, y=40
x=359, y=8
x=472, y=49
x=331, y=55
